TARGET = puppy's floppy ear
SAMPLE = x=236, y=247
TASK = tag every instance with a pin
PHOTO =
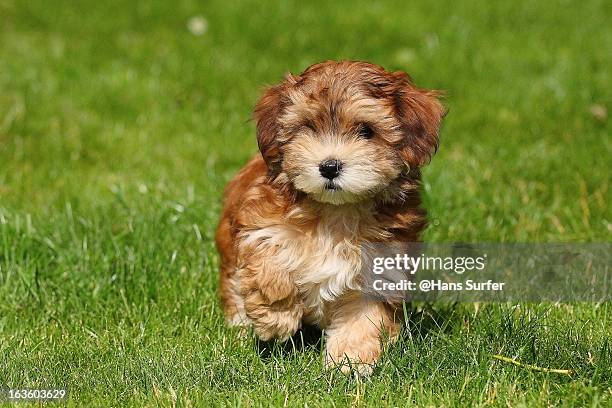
x=267, y=111
x=420, y=113
x=266, y=114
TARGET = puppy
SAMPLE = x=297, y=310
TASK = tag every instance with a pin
x=341, y=148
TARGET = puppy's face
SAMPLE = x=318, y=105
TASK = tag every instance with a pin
x=341, y=132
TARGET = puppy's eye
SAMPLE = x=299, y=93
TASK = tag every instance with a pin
x=365, y=131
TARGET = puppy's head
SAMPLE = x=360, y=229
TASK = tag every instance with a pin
x=342, y=132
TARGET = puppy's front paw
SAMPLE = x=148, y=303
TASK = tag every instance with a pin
x=278, y=324
x=357, y=354
x=348, y=365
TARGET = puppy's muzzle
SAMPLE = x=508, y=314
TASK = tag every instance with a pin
x=330, y=169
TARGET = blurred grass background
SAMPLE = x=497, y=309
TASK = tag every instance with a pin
x=120, y=123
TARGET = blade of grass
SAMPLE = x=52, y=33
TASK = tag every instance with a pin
x=531, y=367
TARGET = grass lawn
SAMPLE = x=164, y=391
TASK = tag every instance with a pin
x=119, y=128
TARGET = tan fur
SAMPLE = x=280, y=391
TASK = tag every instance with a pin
x=290, y=244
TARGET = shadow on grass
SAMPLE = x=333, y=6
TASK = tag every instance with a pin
x=418, y=323
x=309, y=337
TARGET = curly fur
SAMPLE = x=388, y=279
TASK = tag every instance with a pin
x=290, y=239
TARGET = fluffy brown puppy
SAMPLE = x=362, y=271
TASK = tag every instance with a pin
x=341, y=147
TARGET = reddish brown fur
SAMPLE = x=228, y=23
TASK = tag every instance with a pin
x=271, y=230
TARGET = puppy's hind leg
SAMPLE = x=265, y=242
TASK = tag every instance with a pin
x=229, y=279
x=233, y=304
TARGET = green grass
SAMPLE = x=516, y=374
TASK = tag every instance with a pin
x=119, y=129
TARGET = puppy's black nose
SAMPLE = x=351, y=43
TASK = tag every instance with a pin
x=330, y=168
